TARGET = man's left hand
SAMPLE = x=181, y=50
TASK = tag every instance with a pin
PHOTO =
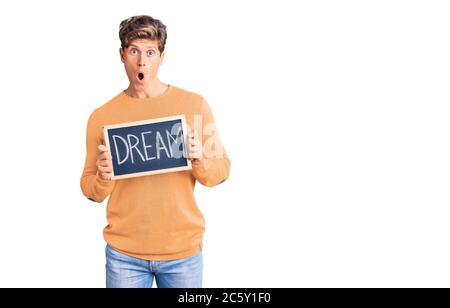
x=195, y=148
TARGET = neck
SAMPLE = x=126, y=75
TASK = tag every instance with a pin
x=152, y=89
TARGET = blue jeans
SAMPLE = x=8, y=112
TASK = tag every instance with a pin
x=123, y=271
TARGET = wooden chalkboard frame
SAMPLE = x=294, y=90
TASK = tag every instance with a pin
x=156, y=120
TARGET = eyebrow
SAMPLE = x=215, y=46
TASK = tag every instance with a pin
x=149, y=47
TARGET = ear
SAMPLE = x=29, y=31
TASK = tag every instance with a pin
x=122, y=54
x=162, y=57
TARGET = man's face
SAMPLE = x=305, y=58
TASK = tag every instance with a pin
x=142, y=60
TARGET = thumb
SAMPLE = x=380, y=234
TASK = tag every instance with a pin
x=102, y=148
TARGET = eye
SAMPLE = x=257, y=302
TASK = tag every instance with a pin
x=133, y=51
x=151, y=53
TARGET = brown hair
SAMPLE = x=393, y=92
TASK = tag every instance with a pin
x=142, y=27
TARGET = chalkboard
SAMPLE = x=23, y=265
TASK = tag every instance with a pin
x=147, y=147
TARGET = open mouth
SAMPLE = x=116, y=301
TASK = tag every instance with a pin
x=140, y=76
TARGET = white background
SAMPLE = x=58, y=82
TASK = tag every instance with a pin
x=335, y=115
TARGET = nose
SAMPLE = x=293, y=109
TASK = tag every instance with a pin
x=141, y=61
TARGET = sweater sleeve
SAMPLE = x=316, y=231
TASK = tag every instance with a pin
x=214, y=167
x=92, y=185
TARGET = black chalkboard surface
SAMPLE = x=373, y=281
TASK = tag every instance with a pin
x=147, y=147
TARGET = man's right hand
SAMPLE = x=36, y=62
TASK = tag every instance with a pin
x=104, y=163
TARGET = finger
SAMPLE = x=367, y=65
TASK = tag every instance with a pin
x=197, y=153
x=192, y=134
x=104, y=169
x=193, y=157
x=105, y=155
x=101, y=156
x=105, y=163
x=106, y=176
x=193, y=142
x=195, y=148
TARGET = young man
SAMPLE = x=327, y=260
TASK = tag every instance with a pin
x=155, y=228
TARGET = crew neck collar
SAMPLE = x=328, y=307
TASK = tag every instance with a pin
x=149, y=99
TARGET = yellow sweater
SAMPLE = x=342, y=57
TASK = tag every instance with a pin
x=155, y=217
